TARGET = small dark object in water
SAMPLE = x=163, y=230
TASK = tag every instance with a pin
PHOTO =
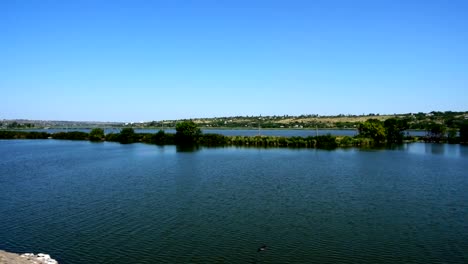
x=262, y=248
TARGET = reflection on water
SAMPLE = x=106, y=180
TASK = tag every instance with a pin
x=464, y=150
x=448, y=150
x=435, y=148
x=187, y=148
x=111, y=203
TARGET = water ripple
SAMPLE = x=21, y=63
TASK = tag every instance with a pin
x=112, y=203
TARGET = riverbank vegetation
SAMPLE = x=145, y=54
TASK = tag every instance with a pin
x=372, y=132
x=415, y=121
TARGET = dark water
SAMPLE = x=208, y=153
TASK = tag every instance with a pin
x=243, y=132
x=87, y=202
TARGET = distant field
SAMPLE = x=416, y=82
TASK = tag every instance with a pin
x=334, y=119
x=287, y=121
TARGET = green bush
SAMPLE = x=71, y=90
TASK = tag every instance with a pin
x=346, y=141
x=113, y=137
x=8, y=134
x=74, y=135
x=212, y=140
x=187, y=132
x=326, y=142
x=127, y=136
x=97, y=134
x=159, y=138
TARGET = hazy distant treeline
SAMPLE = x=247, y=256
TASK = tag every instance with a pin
x=371, y=132
x=419, y=121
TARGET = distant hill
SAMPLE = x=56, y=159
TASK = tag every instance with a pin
x=28, y=124
x=416, y=120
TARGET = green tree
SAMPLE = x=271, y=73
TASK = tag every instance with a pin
x=74, y=135
x=13, y=125
x=127, y=135
x=464, y=133
x=187, y=132
x=159, y=138
x=372, y=128
x=452, y=136
x=436, y=132
x=326, y=142
x=394, y=129
x=97, y=134
x=213, y=140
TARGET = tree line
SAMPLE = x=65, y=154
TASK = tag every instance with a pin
x=416, y=121
x=393, y=130
x=371, y=132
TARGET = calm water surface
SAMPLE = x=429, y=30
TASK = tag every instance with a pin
x=87, y=202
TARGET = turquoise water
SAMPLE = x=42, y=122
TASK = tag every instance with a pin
x=87, y=202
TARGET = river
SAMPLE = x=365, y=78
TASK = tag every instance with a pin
x=84, y=202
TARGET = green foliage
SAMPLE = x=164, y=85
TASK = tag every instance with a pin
x=363, y=142
x=13, y=125
x=112, y=137
x=374, y=129
x=97, y=134
x=345, y=141
x=37, y=135
x=452, y=136
x=8, y=134
x=326, y=142
x=464, y=133
x=394, y=129
x=187, y=132
x=74, y=135
x=436, y=132
x=16, y=125
x=127, y=135
x=23, y=135
x=169, y=139
x=282, y=142
x=213, y=140
x=143, y=137
x=159, y=138
x=342, y=125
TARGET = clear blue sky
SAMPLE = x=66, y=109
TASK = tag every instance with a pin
x=153, y=60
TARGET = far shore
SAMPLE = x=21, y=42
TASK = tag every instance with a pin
x=203, y=128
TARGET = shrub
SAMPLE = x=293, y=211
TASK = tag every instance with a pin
x=97, y=134
x=74, y=135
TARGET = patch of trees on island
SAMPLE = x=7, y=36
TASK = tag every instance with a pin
x=372, y=132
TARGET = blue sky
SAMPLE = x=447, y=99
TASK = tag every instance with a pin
x=153, y=60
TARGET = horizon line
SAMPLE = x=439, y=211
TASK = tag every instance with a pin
x=260, y=115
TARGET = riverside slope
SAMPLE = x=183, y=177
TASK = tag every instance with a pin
x=27, y=258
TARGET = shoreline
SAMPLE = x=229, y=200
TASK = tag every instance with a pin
x=203, y=128
x=25, y=258
x=216, y=140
